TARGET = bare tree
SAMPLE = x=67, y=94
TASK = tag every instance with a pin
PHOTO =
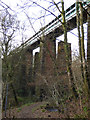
x=8, y=28
x=69, y=70
x=83, y=50
x=81, y=45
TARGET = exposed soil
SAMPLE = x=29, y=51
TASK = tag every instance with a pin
x=33, y=111
x=36, y=110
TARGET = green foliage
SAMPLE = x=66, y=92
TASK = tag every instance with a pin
x=43, y=110
x=19, y=109
x=34, y=109
x=25, y=101
x=20, y=99
x=80, y=116
x=28, y=104
x=85, y=109
x=83, y=101
x=43, y=106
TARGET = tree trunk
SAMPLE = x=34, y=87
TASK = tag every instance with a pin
x=0, y=83
x=79, y=37
x=83, y=51
x=88, y=56
x=69, y=70
x=88, y=47
x=14, y=93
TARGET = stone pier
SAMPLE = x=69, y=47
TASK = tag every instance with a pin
x=29, y=64
x=37, y=76
x=63, y=80
x=48, y=55
x=44, y=66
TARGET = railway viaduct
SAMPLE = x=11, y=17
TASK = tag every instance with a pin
x=45, y=38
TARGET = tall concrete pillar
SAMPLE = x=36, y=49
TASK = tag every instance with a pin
x=88, y=46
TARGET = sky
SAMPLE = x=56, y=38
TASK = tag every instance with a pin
x=35, y=12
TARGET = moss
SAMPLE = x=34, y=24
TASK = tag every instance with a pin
x=80, y=117
x=19, y=109
x=43, y=110
x=85, y=109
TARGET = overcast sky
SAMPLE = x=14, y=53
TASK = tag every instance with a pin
x=35, y=12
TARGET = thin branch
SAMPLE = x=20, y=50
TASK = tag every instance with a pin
x=6, y=6
x=47, y=11
x=30, y=22
x=84, y=8
x=57, y=6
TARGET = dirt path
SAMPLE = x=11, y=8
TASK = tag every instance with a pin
x=25, y=111
x=33, y=111
x=37, y=110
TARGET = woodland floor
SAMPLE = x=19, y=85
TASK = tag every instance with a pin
x=37, y=110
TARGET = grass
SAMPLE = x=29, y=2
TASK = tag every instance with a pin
x=39, y=107
x=19, y=109
x=23, y=101
x=83, y=115
x=26, y=101
x=34, y=109
x=43, y=110
x=27, y=104
x=80, y=116
x=43, y=106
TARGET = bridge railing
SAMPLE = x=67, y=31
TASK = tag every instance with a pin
x=69, y=13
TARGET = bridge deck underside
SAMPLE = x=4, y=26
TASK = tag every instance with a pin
x=71, y=24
